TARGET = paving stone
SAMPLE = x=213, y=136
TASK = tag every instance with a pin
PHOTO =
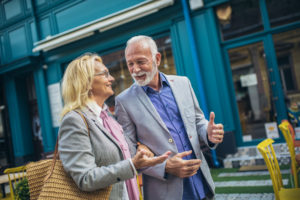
x=246, y=196
x=250, y=173
x=247, y=183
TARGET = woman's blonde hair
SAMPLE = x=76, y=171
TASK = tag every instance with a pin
x=77, y=81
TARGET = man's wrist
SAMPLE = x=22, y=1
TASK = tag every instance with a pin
x=210, y=144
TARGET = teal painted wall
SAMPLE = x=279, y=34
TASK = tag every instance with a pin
x=16, y=96
x=54, y=17
x=49, y=138
x=70, y=16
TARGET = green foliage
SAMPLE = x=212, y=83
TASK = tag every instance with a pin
x=22, y=190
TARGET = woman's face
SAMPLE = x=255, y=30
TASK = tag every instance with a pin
x=102, y=82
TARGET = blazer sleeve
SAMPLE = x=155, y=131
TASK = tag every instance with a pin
x=76, y=154
x=201, y=122
x=127, y=125
x=157, y=171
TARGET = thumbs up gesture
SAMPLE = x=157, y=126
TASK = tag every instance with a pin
x=215, y=132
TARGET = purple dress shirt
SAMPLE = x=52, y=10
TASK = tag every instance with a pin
x=195, y=187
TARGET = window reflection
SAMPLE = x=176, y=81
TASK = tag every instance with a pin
x=117, y=66
x=287, y=47
x=252, y=90
x=283, y=11
x=238, y=18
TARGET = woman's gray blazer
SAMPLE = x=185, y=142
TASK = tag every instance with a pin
x=93, y=162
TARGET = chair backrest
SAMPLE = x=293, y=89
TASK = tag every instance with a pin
x=285, y=122
x=285, y=127
x=267, y=151
x=15, y=175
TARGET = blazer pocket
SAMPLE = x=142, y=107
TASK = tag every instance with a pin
x=189, y=113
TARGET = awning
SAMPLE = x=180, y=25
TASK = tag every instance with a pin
x=102, y=24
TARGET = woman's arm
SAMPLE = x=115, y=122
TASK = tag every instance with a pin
x=78, y=159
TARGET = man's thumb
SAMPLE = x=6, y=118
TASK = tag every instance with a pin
x=212, y=118
x=183, y=154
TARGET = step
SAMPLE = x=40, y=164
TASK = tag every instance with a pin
x=250, y=156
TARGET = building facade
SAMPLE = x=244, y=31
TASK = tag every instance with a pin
x=242, y=57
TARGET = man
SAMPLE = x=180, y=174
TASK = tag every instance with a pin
x=162, y=112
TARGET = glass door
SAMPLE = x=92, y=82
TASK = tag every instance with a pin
x=253, y=94
x=287, y=46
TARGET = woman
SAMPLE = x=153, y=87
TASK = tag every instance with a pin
x=102, y=158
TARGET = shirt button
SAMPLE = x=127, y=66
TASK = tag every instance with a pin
x=170, y=140
x=191, y=136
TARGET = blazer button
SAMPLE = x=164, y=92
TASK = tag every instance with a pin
x=170, y=140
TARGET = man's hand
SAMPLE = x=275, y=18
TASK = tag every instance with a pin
x=148, y=152
x=141, y=160
x=215, y=132
x=182, y=168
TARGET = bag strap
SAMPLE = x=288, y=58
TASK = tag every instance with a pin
x=56, y=155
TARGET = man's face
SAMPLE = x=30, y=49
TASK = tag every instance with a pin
x=140, y=63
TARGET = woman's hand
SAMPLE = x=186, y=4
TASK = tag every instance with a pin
x=141, y=160
x=149, y=153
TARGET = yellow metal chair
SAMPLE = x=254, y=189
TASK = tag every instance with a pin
x=285, y=128
x=268, y=153
x=139, y=181
x=15, y=175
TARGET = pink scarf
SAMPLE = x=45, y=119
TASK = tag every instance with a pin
x=117, y=132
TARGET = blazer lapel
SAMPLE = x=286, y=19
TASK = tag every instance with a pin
x=142, y=96
x=92, y=116
x=178, y=97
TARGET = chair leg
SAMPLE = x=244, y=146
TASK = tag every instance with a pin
x=3, y=190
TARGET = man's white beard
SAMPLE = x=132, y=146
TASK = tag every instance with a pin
x=149, y=76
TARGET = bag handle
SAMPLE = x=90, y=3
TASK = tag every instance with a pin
x=56, y=155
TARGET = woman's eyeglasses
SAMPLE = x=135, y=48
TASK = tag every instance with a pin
x=105, y=73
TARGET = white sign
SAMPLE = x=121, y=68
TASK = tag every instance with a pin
x=247, y=138
x=297, y=133
x=55, y=103
x=248, y=80
x=271, y=130
x=195, y=4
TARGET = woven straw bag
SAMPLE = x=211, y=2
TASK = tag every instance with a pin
x=48, y=180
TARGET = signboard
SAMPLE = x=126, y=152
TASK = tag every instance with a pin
x=248, y=80
x=271, y=130
x=195, y=4
x=55, y=103
x=297, y=133
x=247, y=138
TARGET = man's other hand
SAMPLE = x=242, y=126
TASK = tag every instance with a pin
x=182, y=168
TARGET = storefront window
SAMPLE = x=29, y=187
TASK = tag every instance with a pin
x=239, y=18
x=252, y=90
x=35, y=118
x=283, y=11
x=1, y=122
x=287, y=52
x=117, y=66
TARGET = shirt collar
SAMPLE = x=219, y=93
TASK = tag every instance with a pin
x=95, y=108
x=163, y=82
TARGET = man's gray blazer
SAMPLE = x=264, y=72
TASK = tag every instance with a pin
x=141, y=122
x=93, y=162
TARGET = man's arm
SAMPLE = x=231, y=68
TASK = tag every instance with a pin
x=209, y=132
x=157, y=171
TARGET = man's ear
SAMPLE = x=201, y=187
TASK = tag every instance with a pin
x=158, y=58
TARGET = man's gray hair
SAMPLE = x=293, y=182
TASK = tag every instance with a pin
x=148, y=40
